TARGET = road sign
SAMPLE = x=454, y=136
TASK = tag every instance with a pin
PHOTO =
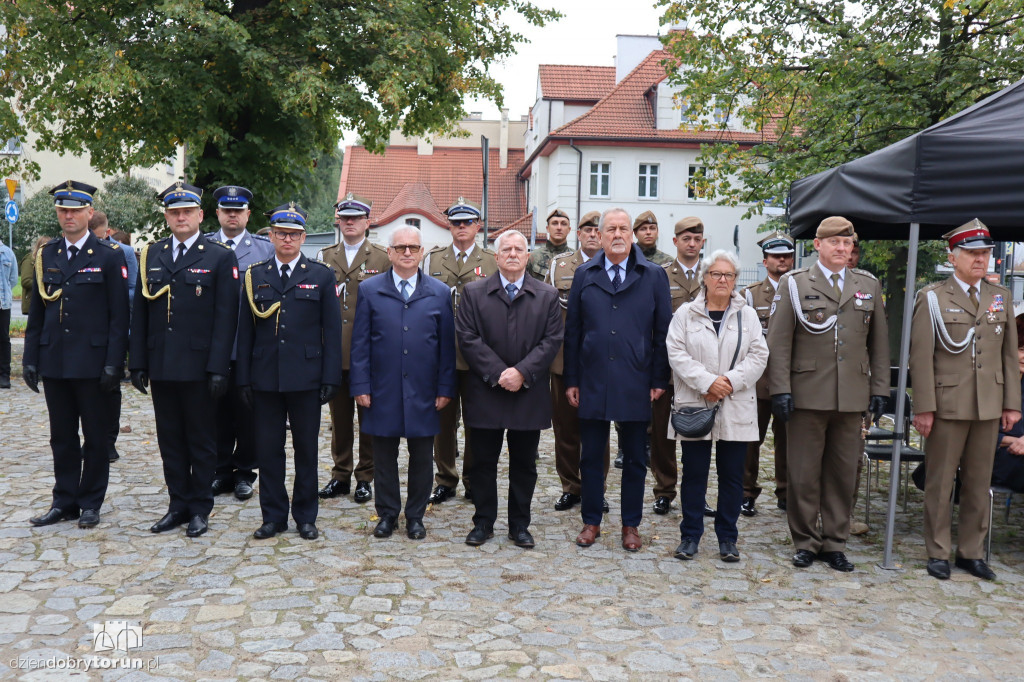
x=12, y=187
x=11, y=211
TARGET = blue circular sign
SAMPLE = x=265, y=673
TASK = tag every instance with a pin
x=11, y=211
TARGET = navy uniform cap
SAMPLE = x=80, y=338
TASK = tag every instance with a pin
x=777, y=243
x=352, y=205
x=232, y=196
x=463, y=210
x=181, y=195
x=289, y=216
x=73, y=194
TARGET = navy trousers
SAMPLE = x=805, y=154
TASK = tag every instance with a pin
x=632, y=441
x=730, y=459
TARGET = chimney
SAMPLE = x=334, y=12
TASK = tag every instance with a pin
x=476, y=116
x=503, y=139
x=424, y=147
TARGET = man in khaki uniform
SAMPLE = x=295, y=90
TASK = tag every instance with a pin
x=645, y=229
x=456, y=265
x=829, y=362
x=353, y=260
x=778, y=249
x=684, y=285
x=963, y=366
x=558, y=234
x=564, y=417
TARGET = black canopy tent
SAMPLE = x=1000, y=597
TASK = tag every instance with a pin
x=971, y=165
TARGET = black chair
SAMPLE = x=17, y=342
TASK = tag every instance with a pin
x=992, y=492
x=878, y=448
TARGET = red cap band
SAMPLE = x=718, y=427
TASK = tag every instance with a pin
x=968, y=234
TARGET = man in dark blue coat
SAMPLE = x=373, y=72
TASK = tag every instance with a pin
x=618, y=316
x=402, y=373
x=183, y=327
x=76, y=340
x=289, y=364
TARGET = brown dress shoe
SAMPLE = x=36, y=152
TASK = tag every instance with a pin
x=631, y=539
x=588, y=535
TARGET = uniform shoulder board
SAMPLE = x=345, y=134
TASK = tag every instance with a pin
x=113, y=245
x=668, y=264
x=218, y=243
x=797, y=271
x=318, y=262
x=436, y=249
x=260, y=237
x=863, y=272
x=54, y=240
x=265, y=261
x=486, y=250
x=378, y=247
x=999, y=287
x=751, y=287
x=930, y=287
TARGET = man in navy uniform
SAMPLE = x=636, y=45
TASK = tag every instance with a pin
x=183, y=327
x=236, y=454
x=75, y=341
x=289, y=364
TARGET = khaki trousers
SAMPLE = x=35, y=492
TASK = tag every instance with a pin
x=971, y=447
x=751, y=468
x=664, y=464
x=446, y=442
x=343, y=409
x=565, y=422
x=823, y=449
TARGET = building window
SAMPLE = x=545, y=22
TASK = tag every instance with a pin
x=696, y=184
x=11, y=147
x=648, y=181
x=413, y=222
x=600, y=179
x=721, y=115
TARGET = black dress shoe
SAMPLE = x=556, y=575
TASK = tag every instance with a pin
x=269, y=530
x=976, y=567
x=938, y=568
x=441, y=493
x=308, y=531
x=618, y=460
x=479, y=535
x=89, y=518
x=708, y=511
x=687, y=549
x=567, y=501
x=222, y=486
x=385, y=527
x=197, y=526
x=112, y=455
x=5, y=382
x=728, y=553
x=747, y=508
x=334, y=488
x=468, y=494
x=243, y=490
x=781, y=504
x=53, y=516
x=662, y=505
x=169, y=521
x=363, y=492
x=414, y=529
x=521, y=537
x=836, y=561
x=604, y=505
x=803, y=558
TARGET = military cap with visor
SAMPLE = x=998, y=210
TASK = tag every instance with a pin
x=971, y=235
x=777, y=243
x=181, y=195
x=73, y=194
x=463, y=210
x=288, y=216
x=353, y=206
x=232, y=196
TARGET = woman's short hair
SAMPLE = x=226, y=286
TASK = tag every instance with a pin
x=721, y=254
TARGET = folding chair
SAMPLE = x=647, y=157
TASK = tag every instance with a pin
x=992, y=492
x=879, y=449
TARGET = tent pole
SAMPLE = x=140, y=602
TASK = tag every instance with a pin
x=901, y=389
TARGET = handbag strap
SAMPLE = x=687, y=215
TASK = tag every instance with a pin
x=739, y=339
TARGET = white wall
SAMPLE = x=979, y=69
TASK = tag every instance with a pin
x=431, y=234
x=631, y=50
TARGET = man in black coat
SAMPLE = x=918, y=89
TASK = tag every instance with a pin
x=289, y=364
x=75, y=341
x=509, y=329
x=183, y=326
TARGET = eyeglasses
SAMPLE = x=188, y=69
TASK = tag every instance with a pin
x=719, y=276
x=406, y=248
x=462, y=223
x=287, y=236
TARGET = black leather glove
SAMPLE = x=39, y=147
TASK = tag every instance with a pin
x=245, y=393
x=31, y=376
x=140, y=380
x=782, y=406
x=218, y=386
x=877, y=405
x=327, y=393
x=110, y=380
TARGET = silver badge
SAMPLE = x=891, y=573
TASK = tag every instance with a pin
x=772, y=311
x=999, y=329
x=199, y=290
x=859, y=303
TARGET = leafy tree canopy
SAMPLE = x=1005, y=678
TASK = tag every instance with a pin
x=38, y=219
x=131, y=206
x=255, y=89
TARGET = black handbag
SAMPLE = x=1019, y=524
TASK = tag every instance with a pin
x=697, y=422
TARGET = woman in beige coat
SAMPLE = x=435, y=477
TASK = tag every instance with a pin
x=702, y=340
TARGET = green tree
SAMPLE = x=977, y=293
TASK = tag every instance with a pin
x=255, y=90
x=828, y=81
x=131, y=206
x=38, y=219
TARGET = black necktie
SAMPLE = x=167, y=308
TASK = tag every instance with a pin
x=231, y=243
x=73, y=250
x=284, y=275
x=617, y=279
x=181, y=250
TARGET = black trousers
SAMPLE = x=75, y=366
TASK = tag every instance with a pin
x=302, y=410
x=80, y=470
x=185, y=430
x=386, y=487
x=5, y=344
x=236, y=445
x=114, y=409
x=522, y=475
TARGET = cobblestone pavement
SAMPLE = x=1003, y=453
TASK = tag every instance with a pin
x=349, y=606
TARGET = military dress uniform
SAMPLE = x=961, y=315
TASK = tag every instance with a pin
x=182, y=333
x=443, y=265
x=369, y=261
x=75, y=340
x=831, y=354
x=964, y=369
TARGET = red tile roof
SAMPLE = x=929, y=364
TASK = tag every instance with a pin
x=575, y=83
x=524, y=225
x=403, y=181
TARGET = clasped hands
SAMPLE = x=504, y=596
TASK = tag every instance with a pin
x=720, y=388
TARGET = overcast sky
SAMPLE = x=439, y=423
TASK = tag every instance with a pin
x=585, y=35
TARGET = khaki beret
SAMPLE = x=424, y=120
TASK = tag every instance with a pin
x=643, y=219
x=592, y=218
x=557, y=213
x=834, y=226
x=690, y=224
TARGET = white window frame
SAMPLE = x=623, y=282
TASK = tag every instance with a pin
x=11, y=147
x=691, y=192
x=607, y=174
x=647, y=177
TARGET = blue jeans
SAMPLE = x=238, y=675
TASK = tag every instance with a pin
x=594, y=441
x=729, y=461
